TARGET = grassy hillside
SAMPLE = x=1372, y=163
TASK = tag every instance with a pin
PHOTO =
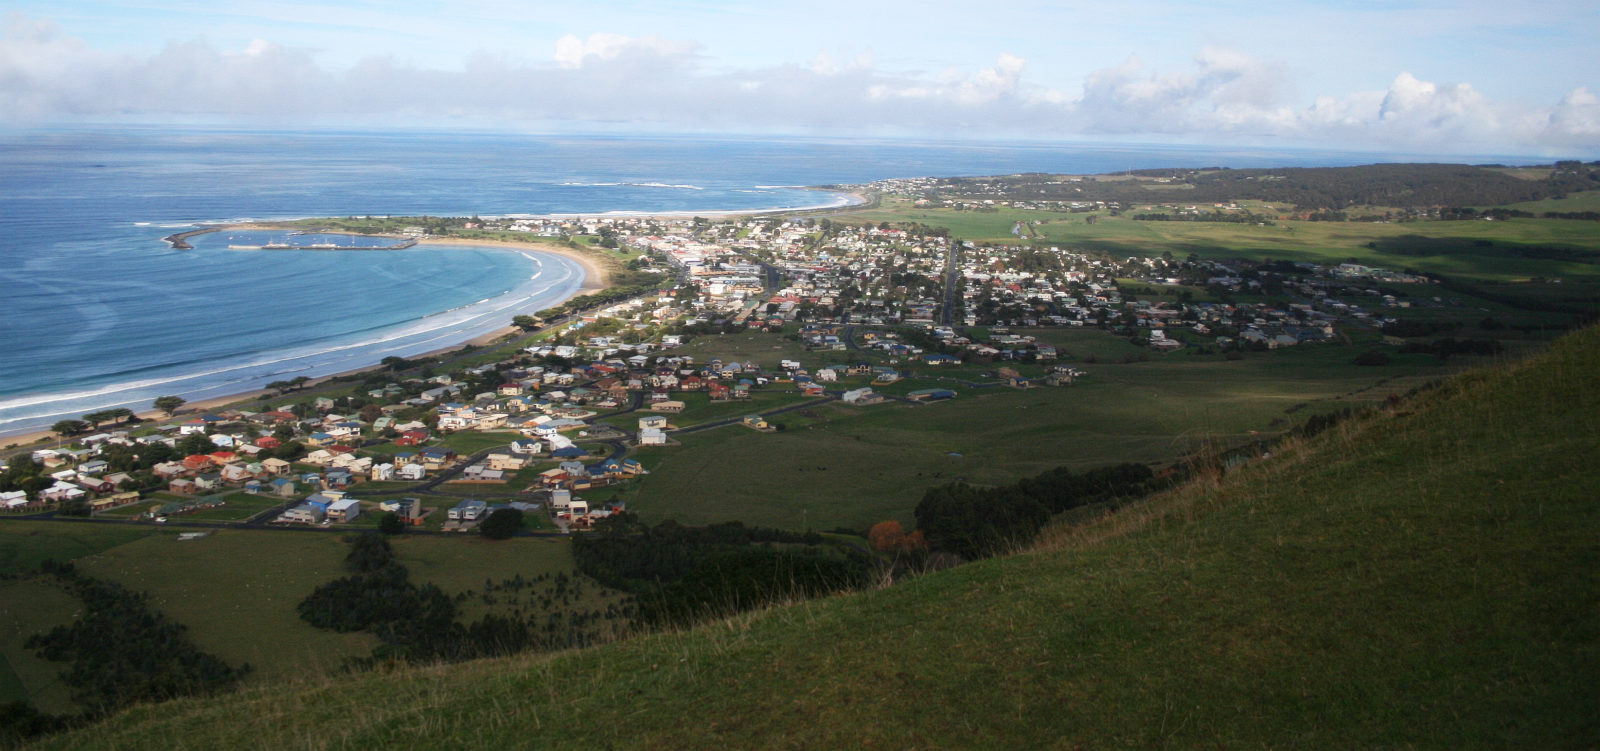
x=1420, y=577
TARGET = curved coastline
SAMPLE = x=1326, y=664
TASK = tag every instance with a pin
x=595, y=279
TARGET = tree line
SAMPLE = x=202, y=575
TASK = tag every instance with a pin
x=682, y=574
x=419, y=622
x=1313, y=188
x=978, y=522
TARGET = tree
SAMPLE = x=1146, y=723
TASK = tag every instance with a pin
x=390, y=524
x=169, y=404
x=526, y=323
x=394, y=363
x=1373, y=357
x=70, y=427
x=196, y=443
x=886, y=536
x=501, y=524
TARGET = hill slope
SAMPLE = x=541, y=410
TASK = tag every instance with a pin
x=1422, y=578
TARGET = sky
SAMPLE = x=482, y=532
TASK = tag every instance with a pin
x=1418, y=76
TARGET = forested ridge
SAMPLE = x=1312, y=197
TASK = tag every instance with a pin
x=1307, y=188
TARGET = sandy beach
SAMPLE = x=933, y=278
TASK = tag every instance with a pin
x=595, y=278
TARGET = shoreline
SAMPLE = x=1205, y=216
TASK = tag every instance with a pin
x=596, y=278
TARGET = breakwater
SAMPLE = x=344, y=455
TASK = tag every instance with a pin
x=180, y=241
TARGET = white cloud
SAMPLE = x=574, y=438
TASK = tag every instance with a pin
x=573, y=53
x=1575, y=117
x=654, y=82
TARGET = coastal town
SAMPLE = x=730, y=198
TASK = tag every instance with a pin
x=866, y=313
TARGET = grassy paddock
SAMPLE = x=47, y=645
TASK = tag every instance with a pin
x=1461, y=531
x=862, y=465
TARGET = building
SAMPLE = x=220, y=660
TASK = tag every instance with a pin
x=344, y=510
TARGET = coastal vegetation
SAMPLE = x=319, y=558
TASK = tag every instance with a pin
x=1408, y=576
x=1198, y=399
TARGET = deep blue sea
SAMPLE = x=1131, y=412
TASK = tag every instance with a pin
x=101, y=313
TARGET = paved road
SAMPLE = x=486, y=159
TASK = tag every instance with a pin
x=950, y=270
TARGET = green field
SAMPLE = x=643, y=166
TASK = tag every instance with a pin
x=236, y=590
x=843, y=466
x=1588, y=200
x=1421, y=577
x=25, y=544
x=1474, y=250
x=27, y=608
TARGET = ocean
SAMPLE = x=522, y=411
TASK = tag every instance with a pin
x=101, y=313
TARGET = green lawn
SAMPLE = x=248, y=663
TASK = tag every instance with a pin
x=30, y=607
x=469, y=442
x=843, y=466
x=237, y=507
x=26, y=544
x=236, y=591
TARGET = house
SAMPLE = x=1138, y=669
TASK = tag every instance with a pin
x=506, y=462
x=414, y=437
x=275, y=466
x=114, y=500
x=62, y=492
x=652, y=437
x=119, y=478
x=861, y=397
x=567, y=452
x=670, y=407
x=468, y=510
x=552, y=478
x=481, y=473
x=344, y=510
x=94, y=484
x=382, y=472
x=236, y=474
x=527, y=446
x=304, y=513
x=181, y=486
x=756, y=422
x=170, y=470
x=411, y=472
x=438, y=458
x=283, y=487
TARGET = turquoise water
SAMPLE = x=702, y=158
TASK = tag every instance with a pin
x=101, y=313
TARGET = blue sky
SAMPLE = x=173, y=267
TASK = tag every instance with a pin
x=1458, y=77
